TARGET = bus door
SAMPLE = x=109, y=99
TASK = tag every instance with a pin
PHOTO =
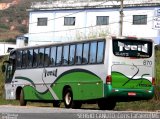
x=9, y=73
x=10, y=67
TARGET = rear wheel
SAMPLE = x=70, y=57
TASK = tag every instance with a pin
x=21, y=99
x=68, y=100
x=106, y=104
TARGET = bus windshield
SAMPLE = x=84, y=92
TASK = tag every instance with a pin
x=132, y=48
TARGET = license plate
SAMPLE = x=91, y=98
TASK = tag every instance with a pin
x=131, y=94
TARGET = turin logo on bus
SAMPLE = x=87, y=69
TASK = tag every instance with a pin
x=141, y=48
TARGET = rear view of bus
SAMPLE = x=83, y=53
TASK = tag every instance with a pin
x=131, y=74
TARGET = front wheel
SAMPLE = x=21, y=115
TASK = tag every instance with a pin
x=68, y=100
x=21, y=99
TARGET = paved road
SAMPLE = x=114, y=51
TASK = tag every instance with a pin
x=28, y=112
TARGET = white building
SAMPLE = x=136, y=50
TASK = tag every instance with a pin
x=5, y=48
x=63, y=21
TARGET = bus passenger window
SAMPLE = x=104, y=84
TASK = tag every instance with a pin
x=72, y=54
x=100, y=52
x=47, y=57
x=35, y=57
x=79, y=54
x=41, y=57
x=53, y=56
x=30, y=58
x=59, y=56
x=65, y=55
x=24, y=59
x=93, y=50
x=85, y=53
x=19, y=59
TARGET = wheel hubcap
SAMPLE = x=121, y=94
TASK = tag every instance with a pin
x=68, y=98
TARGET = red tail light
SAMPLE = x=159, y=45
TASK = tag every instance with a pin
x=153, y=81
x=108, y=79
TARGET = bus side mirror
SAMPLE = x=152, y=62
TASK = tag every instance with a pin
x=3, y=68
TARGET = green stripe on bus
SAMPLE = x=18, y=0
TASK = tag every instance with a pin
x=119, y=80
x=25, y=78
x=32, y=94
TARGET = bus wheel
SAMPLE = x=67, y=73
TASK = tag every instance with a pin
x=68, y=98
x=56, y=103
x=21, y=99
x=106, y=104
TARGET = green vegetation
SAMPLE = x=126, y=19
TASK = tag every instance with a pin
x=150, y=105
x=14, y=20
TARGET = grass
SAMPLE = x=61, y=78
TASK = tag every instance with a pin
x=150, y=105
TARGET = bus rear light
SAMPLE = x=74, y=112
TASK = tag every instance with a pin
x=108, y=79
x=153, y=81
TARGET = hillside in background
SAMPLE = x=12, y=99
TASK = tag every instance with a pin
x=14, y=18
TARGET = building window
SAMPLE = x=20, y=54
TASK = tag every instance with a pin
x=139, y=19
x=69, y=21
x=102, y=20
x=42, y=22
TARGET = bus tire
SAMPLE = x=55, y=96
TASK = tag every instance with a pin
x=56, y=103
x=106, y=104
x=21, y=99
x=68, y=98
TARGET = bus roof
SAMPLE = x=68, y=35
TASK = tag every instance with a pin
x=78, y=41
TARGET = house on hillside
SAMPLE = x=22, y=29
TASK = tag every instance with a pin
x=70, y=20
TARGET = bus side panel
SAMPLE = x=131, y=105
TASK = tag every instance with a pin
x=84, y=84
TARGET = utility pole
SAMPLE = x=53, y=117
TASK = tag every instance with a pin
x=121, y=19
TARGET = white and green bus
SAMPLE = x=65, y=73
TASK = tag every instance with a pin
x=103, y=71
